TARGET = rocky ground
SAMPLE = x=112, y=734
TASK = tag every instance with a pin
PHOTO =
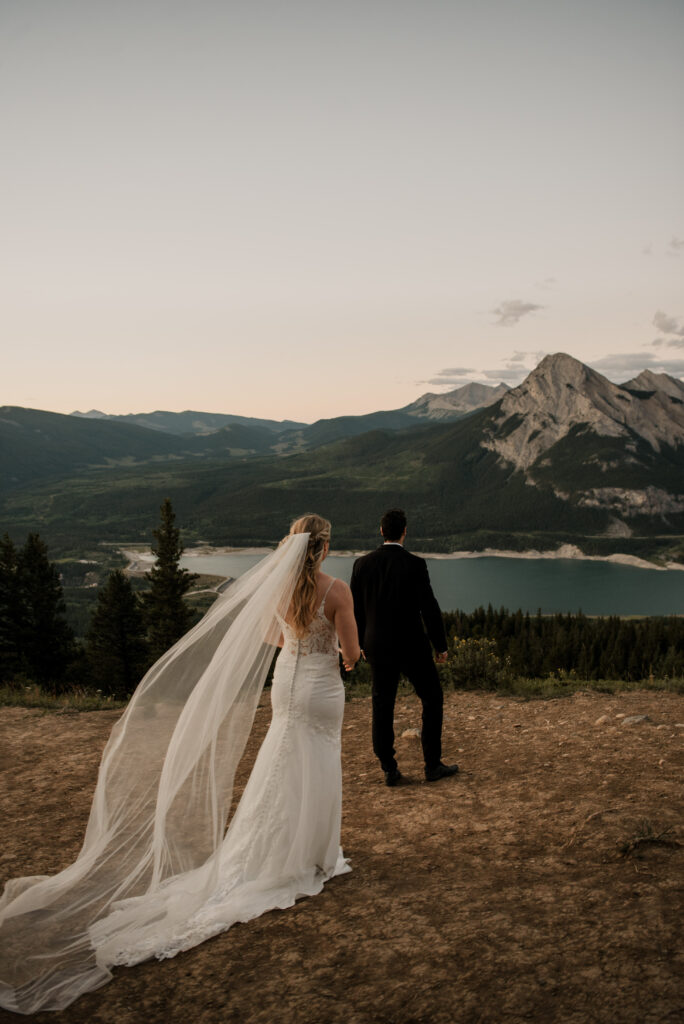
x=528, y=888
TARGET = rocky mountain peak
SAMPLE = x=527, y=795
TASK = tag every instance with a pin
x=561, y=371
x=562, y=393
x=647, y=380
x=92, y=414
x=458, y=402
x=560, y=364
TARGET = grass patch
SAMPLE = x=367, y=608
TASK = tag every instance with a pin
x=357, y=686
x=78, y=699
x=530, y=689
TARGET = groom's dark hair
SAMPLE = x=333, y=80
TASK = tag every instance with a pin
x=393, y=523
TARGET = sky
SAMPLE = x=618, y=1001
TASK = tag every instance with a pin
x=307, y=209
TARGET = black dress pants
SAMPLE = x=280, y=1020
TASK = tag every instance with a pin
x=421, y=672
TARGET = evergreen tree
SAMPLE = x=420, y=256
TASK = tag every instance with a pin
x=10, y=611
x=47, y=642
x=116, y=648
x=601, y=648
x=166, y=614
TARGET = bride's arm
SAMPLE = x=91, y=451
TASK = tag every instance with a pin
x=345, y=625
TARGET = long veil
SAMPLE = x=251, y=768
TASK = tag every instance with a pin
x=150, y=855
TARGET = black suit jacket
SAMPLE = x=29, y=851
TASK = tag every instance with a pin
x=394, y=604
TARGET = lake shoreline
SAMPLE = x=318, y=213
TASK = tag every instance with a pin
x=144, y=555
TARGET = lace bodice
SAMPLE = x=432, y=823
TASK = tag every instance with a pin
x=320, y=638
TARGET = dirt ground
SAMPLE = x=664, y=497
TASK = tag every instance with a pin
x=500, y=895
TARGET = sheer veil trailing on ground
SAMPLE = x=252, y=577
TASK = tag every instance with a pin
x=150, y=856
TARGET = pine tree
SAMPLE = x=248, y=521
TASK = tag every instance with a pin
x=46, y=639
x=166, y=614
x=116, y=648
x=10, y=611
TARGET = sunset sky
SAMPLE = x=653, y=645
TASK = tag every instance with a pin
x=298, y=209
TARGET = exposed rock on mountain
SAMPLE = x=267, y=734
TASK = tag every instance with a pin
x=561, y=394
x=651, y=501
x=647, y=380
x=459, y=402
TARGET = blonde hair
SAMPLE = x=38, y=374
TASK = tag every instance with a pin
x=304, y=596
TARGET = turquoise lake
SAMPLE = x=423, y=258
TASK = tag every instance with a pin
x=554, y=585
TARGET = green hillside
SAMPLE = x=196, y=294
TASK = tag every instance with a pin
x=38, y=445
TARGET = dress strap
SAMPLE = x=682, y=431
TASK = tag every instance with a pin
x=322, y=605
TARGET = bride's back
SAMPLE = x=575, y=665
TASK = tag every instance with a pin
x=325, y=599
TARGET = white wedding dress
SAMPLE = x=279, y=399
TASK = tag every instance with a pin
x=284, y=838
x=158, y=872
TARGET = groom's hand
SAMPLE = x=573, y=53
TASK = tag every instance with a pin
x=348, y=665
x=441, y=657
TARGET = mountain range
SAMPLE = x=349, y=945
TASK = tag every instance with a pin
x=566, y=455
x=36, y=445
x=293, y=436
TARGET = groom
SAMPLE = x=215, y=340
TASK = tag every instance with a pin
x=393, y=600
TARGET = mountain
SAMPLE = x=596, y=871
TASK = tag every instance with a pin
x=597, y=444
x=37, y=445
x=190, y=422
x=428, y=408
x=292, y=436
x=456, y=403
x=561, y=394
x=648, y=381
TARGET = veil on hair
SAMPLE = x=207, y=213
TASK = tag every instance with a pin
x=150, y=856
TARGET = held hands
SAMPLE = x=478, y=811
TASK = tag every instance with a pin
x=441, y=657
x=348, y=663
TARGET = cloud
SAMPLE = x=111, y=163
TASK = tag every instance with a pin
x=676, y=244
x=441, y=381
x=547, y=282
x=509, y=374
x=452, y=377
x=671, y=343
x=455, y=371
x=525, y=357
x=668, y=324
x=511, y=311
x=514, y=369
x=622, y=366
x=647, y=250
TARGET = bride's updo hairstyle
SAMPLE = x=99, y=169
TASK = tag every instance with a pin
x=304, y=596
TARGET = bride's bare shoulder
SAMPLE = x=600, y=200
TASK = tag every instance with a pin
x=335, y=589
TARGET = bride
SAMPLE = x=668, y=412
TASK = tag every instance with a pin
x=158, y=872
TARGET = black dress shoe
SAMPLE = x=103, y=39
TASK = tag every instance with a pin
x=441, y=771
x=393, y=777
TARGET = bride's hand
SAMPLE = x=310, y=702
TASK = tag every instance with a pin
x=347, y=662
